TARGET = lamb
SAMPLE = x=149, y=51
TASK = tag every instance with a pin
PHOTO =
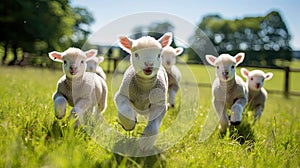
x=257, y=93
x=144, y=86
x=82, y=90
x=169, y=60
x=92, y=66
x=228, y=89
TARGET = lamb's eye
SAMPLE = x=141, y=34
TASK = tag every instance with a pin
x=251, y=78
x=218, y=67
x=82, y=61
x=232, y=67
x=65, y=62
x=136, y=55
x=158, y=55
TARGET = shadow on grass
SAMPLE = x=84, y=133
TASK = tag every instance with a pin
x=243, y=133
x=157, y=160
x=61, y=129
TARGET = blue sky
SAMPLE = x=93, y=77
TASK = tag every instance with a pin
x=108, y=12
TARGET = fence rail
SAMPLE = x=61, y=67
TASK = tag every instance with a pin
x=287, y=70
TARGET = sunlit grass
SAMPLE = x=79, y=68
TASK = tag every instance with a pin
x=31, y=136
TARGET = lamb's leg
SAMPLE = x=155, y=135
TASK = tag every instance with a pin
x=150, y=133
x=79, y=109
x=258, y=112
x=126, y=114
x=103, y=100
x=59, y=106
x=222, y=113
x=172, y=95
x=237, y=110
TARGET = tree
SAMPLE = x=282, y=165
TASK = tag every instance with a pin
x=40, y=26
x=155, y=30
x=263, y=39
x=83, y=18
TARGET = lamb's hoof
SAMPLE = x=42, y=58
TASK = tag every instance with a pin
x=170, y=105
x=235, y=123
x=59, y=117
x=129, y=129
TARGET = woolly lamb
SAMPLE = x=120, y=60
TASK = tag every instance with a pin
x=144, y=86
x=169, y=60
x=92, y=66
x=229, y=90
x=257, y=94
x=82, y=90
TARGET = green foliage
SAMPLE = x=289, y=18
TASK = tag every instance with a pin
x=41, y=26
x=263, y=39
x=155, y=30
x=31, y=136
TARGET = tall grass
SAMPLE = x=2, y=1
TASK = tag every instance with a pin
x=31, y=136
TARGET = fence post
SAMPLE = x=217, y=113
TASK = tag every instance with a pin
x=108, y=65
x=115, y=64
x=287, y=81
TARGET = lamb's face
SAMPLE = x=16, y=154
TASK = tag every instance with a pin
x=168, y=58
x=145, y=53
x=74, y=60
x=255, y=78
x=146, y=61
x=225, y=69
x=169, y=54
x=74, y=65
x=256, y=81
x=91, y=66
x=225, y=65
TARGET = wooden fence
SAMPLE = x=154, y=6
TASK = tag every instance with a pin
x=287, y=70
x=114, y=61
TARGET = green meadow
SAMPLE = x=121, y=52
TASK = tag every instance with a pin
x=31, y=136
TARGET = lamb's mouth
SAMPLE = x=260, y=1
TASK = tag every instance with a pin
x=73, y=72
x=225, y=77
x=148, y=71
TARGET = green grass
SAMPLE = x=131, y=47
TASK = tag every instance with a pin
x=31, y=136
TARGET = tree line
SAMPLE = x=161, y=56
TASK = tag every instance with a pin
x=264, y=39
x=40, y=26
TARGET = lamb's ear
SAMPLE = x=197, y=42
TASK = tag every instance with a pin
x=166, y=39
x=211, y=59
x=100, y=59
x=55, y=56
x=239, y=58
x=178, y=51
x=125, y=43
x=245, y=72
x=268, y=75
x=91, y=53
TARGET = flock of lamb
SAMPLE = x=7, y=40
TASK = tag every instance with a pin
x=150, y=84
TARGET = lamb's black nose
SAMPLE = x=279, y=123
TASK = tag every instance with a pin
x=225, y=73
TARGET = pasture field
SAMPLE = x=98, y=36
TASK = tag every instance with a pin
x=31, y=136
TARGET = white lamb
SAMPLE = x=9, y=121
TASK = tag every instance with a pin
x=92, y=65
x=257, y=94
x=174, y=75
x=229, y=90
x=144, y=87
x=82, y=90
